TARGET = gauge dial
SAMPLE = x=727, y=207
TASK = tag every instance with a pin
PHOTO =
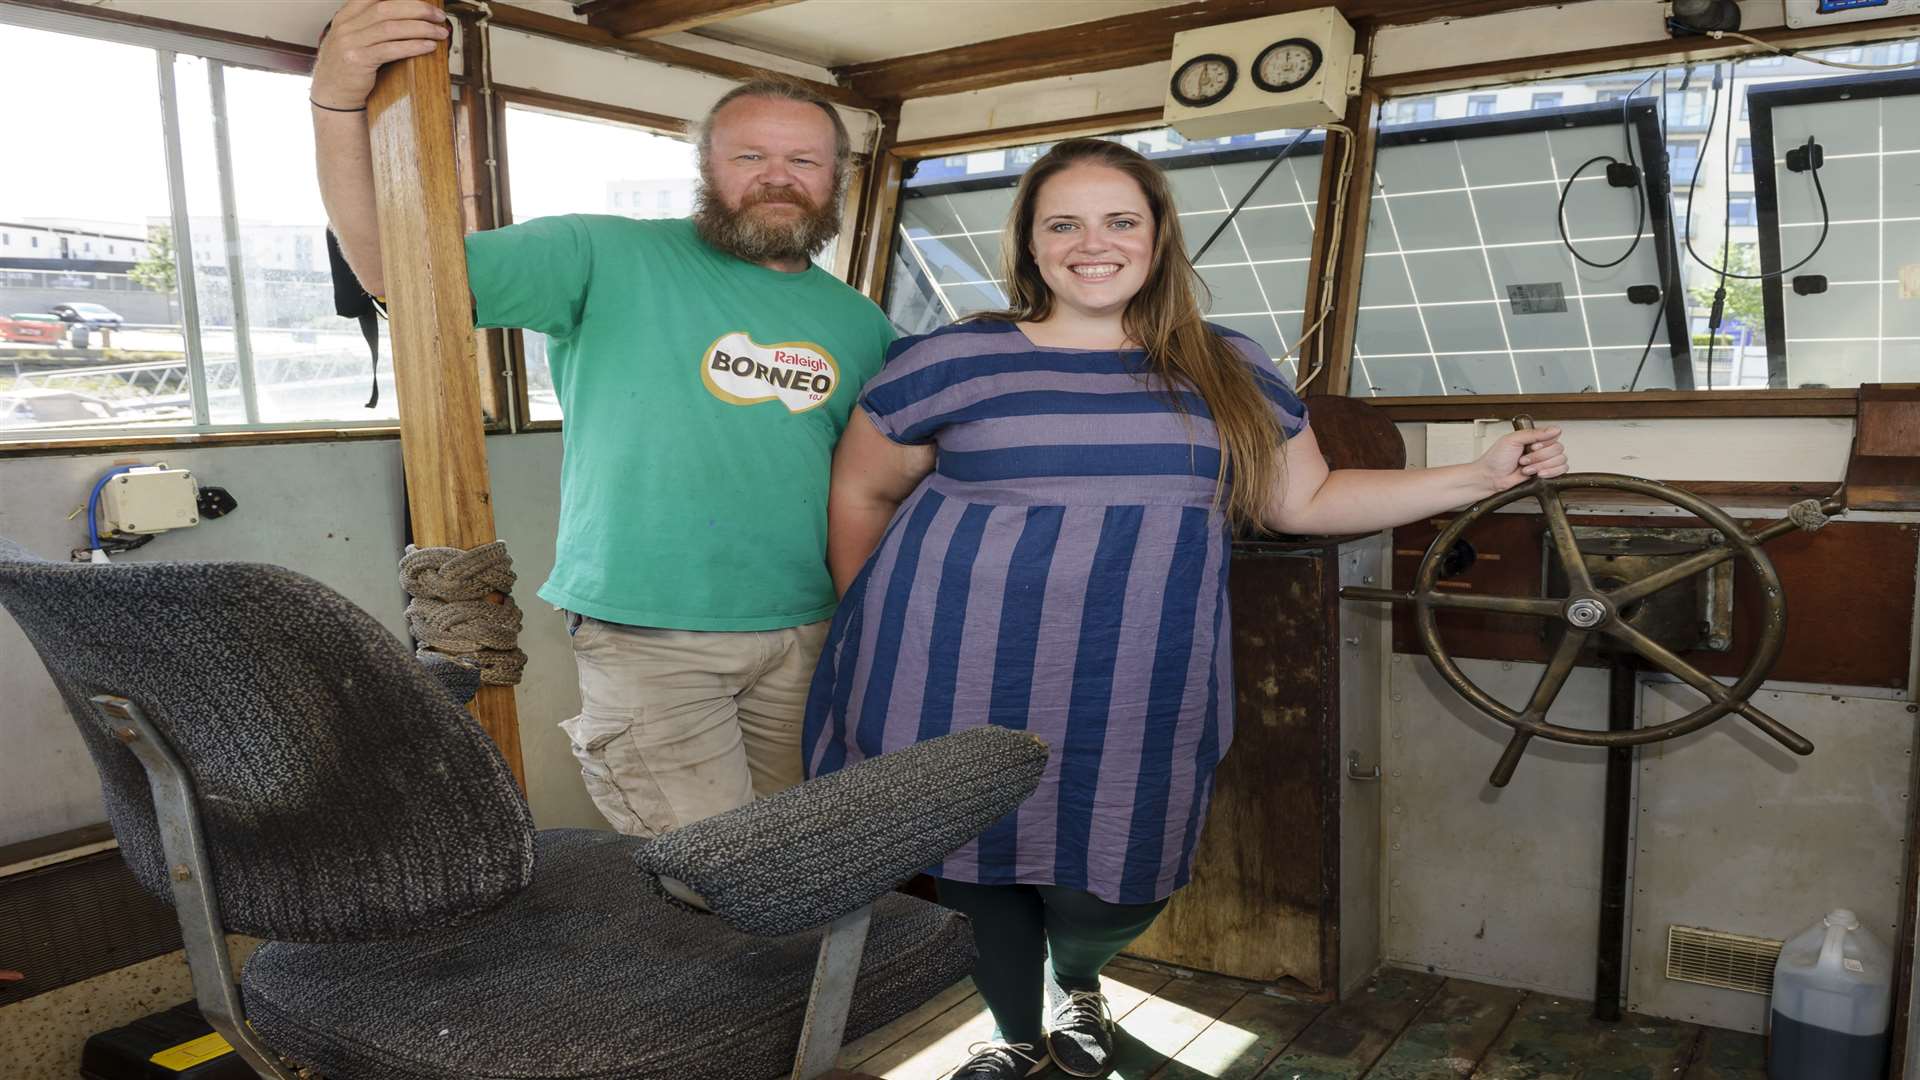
x=1286, y=65
x=1204, y=80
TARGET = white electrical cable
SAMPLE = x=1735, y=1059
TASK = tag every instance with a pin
x=1336, y=222
x=1772, y=48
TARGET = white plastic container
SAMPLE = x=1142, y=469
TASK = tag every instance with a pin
x=1832, y=1001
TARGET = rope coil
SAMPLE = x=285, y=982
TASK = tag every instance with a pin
x=449, y=614
x=1808, y=514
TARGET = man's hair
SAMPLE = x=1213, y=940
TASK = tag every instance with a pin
x=783, y=89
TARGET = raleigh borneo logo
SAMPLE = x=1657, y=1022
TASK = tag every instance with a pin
x=741, y=371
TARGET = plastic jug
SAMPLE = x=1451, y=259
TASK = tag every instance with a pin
x=1832, y=1001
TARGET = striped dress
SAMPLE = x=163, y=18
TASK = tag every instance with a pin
x=1061, y=571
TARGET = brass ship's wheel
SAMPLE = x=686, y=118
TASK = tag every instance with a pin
x=1589, y=609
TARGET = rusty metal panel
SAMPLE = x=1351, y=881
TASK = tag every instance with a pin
x=1365, y=636
x=1264, y=897
x=1737, y=834
x=1496, y=884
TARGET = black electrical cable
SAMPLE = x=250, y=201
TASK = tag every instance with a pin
x=1261, y=179
x=1640, y=225
x=1826, y=215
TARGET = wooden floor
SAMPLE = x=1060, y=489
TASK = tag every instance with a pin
x=1403, y=1025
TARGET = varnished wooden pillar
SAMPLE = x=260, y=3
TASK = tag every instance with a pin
x=442, y=428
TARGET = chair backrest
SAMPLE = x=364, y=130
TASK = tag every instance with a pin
x=343, y=794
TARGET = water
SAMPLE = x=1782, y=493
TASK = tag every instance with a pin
x=1798, y=1051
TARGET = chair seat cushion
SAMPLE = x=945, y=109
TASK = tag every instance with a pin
x=586, y=973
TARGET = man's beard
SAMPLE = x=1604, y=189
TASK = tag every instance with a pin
x=762, y=238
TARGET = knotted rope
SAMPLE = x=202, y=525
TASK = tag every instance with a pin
x=1807, y=514
x=448, y=611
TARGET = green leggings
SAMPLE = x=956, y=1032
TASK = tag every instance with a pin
x=1016, y=928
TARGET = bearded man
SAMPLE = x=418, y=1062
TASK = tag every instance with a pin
x=705, y=370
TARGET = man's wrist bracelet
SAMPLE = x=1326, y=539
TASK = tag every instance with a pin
x=334, y=108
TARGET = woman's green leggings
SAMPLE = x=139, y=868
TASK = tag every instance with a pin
x=1016, y=928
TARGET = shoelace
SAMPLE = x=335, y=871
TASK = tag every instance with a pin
x=998, y=1052
x=1084, y=1006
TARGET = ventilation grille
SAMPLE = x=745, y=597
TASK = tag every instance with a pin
x=1727, y=961
x=71, y=921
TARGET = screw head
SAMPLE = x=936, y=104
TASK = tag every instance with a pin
x=1717, y=641
x=126, y=734
x=181, y=872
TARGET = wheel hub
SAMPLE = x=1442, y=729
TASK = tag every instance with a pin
x=1586, y=612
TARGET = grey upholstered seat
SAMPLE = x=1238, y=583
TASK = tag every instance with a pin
x=356, y=817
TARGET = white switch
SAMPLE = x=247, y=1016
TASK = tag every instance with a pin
x=150, y=499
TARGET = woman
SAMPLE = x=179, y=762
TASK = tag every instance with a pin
x=1029, y=525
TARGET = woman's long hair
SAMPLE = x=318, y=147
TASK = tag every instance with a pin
x=1165, y=319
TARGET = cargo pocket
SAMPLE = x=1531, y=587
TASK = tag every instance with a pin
x=602, y=744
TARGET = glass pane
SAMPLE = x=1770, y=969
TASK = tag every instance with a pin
x=1466, y=216
x=308, y=363
x=946, y=254
x=574, y=165
x=89, y=307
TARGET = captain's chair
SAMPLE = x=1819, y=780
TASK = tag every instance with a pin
x=276, y=764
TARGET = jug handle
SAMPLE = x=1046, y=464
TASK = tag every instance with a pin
x=1830, y=948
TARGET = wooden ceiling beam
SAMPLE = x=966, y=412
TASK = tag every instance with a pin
x=1108, y=44
x=651, y=18
x=540, y=24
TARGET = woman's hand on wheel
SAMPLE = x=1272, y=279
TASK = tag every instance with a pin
x=1521, y=456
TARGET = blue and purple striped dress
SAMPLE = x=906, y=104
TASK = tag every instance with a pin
x=1061, y=571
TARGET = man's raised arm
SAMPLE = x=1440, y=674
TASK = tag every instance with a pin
x=363, y=35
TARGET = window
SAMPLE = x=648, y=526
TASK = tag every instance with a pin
x=1547, y=101
x=1683, y=160
x=946, y=251
x=236, y=334
x=1410, y=111
x=1467, y=287
x=564, y=164
x=1481, y=105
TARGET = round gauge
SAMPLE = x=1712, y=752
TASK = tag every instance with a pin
x=1204, y=80
x=1286, y=65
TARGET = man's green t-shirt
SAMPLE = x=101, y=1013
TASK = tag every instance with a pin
x=703, y=396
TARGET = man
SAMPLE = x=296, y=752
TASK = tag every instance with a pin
x=705, y=369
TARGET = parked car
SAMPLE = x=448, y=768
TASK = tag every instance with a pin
x=38, y=328
x=52, y=408
x=93, y=316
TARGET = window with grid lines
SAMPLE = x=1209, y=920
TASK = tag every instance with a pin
x=1722, y=198
x=946, y=256
x=1865, y=325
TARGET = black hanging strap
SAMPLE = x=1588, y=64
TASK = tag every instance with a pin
x=352, y=302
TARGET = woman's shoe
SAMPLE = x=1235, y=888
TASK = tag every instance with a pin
x=1080, y=1034
x=1001, y=1061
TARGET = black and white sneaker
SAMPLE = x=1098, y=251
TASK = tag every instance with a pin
x=1080, y=1034
x=1000, y=1061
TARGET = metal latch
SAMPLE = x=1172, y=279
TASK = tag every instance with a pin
x=1355, y=772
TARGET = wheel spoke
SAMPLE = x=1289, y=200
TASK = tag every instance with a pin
x=1667, y=661
x=1563, y=541
x=1680, y=571
x=1536, y=606
x=1559, y=669
x=1509, y=759
x=1714, y=692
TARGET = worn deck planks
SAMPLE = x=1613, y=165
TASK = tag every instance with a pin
x=1552, y=1038
x=1403, y=1025
x=1451, y=1034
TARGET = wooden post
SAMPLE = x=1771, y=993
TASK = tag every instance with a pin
x=442, y=432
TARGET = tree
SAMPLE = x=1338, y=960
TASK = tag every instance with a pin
x=157, y=271
x=1746, y=301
